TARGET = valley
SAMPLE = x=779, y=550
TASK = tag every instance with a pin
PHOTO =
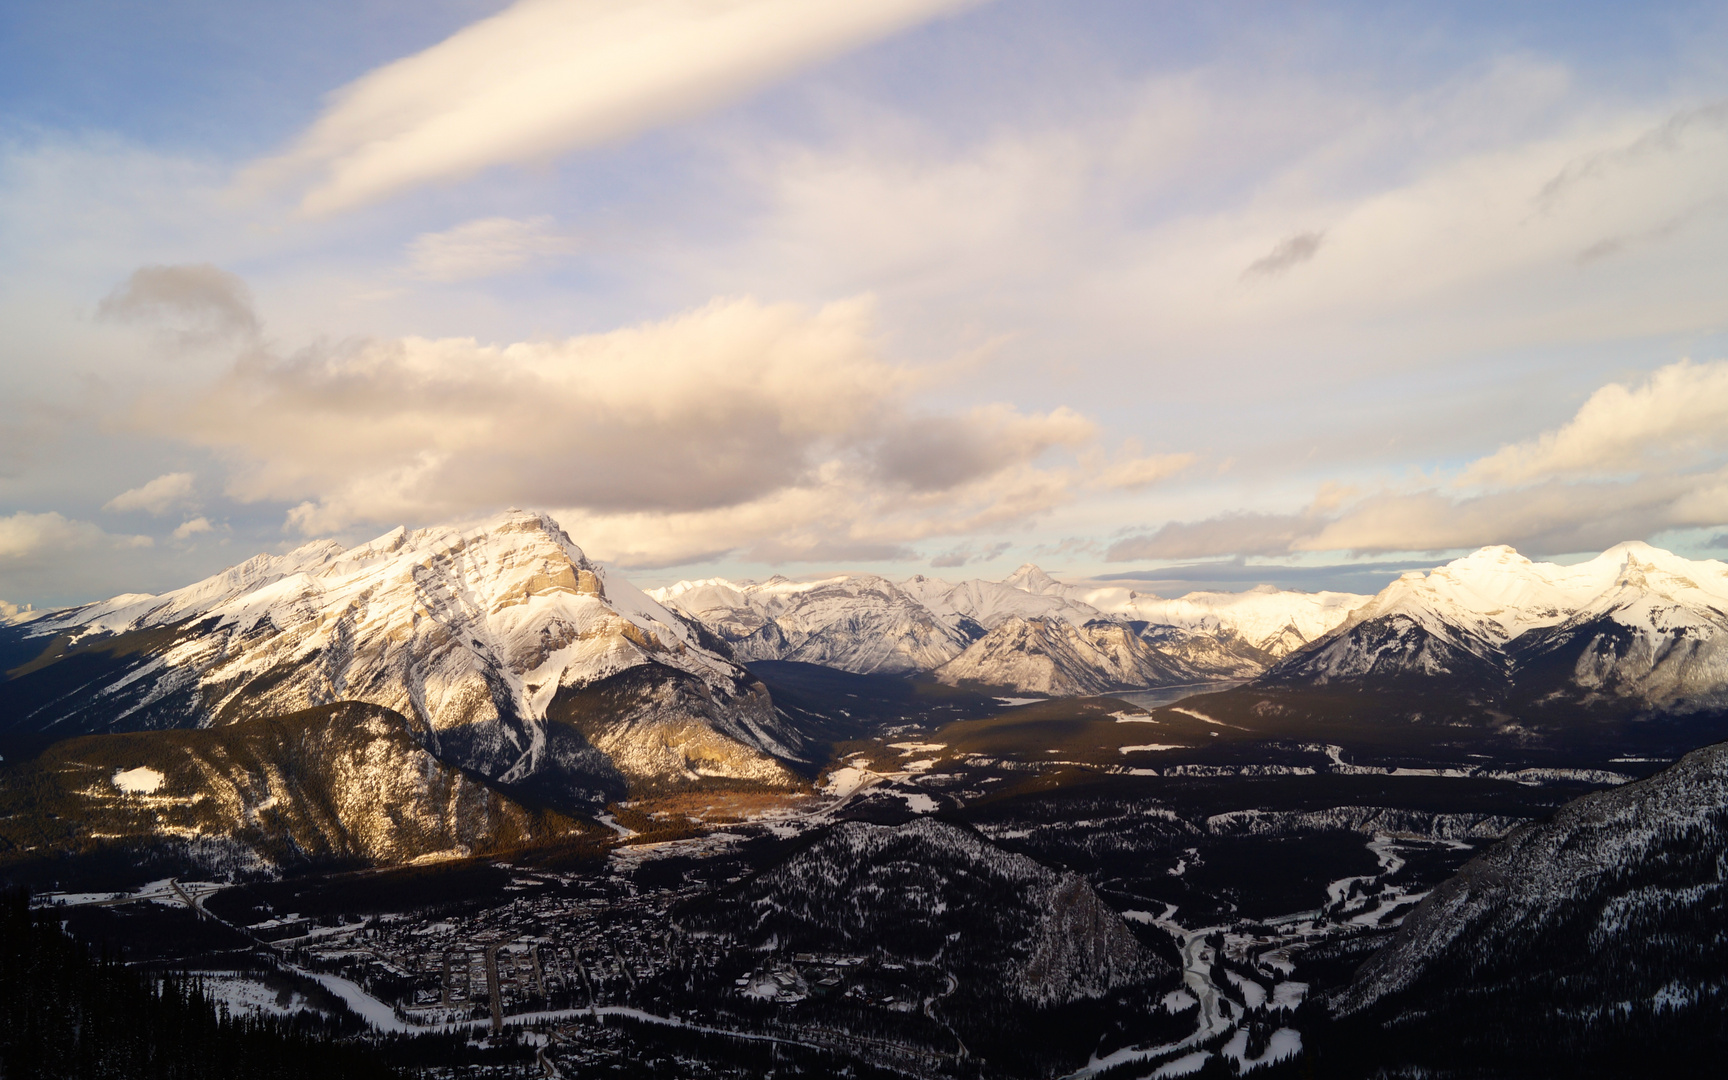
x=482, y=805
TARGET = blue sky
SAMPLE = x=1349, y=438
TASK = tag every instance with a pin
x=748, y=286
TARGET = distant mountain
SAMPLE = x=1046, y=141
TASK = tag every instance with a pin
x=854, y=622
x=1635, y=628
x=519, y=659
x=1588, y=945
x=1053, y=656
x=1028, y=632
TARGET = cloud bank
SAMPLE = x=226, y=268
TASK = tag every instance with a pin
x=1635, y=460
x=738, y=425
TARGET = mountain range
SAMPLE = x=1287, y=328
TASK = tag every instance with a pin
x=1027, y=633
x=1635, y=628
x=517, y=658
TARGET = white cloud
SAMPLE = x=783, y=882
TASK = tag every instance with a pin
x=739, y=425
x=158, y=497
x=546, y=76
x=1138, y=226
x=1132, y=470
x=485, y=248
x=188, y=529
x=1677, y=413
x=1633, y=462
x=26, y=536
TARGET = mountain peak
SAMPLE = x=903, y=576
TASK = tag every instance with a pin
x=1031, y=578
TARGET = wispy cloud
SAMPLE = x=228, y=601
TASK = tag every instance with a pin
x=543, y=77
x=485, y=248
x=167, y=492
x=1289, y=252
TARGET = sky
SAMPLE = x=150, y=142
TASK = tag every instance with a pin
x=1196, y=295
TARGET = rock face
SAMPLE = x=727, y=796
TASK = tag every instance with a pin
x=855, y=622
x=480, y=632
x=1028, y=633
x=931, y=893
x=346, y=783
x=1053, y=656
x=1601, y=925
x=1635, y=628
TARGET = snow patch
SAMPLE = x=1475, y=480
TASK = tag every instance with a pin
x=140, y=781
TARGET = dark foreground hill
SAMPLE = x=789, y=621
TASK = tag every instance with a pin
x=67, y=1014
x=1593, y=944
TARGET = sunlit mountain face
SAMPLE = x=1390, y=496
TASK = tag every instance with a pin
x=942, y=538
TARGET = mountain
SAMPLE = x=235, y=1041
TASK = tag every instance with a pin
x=855, y=622
x=1054, y=656
x=1029, y=632
x=1634, y=629
x=346, y=783
x=1589, y=944
x=522, y=661
x=928, y=893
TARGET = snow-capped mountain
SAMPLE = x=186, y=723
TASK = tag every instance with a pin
x=855, y=622
x=1635, y=625
x=1028, y=632
x=1596, y=932
x=502, y=636
x=1053, y=656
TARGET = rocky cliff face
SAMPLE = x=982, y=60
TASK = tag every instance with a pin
x=477, y=631
x=345, y=783
x=854, y=622
x=1056, y=657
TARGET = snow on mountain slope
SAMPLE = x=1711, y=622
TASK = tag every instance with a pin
x=855, y=622
x=989, y=604
x=1635, y=623
x=1275, y=621
x=476, y=629
x=1053, y=656
x=1083, y=638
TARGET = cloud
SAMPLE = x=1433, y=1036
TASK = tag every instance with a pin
x=968, y=553
x=1231, y=534
x=936, y=453
x=196, y=302
x=1287, y=253
x=543, y=77
x=158, y=497
x=1132, y=470
x=485, y=247
x=191, y=528
x=774, y=429
x=1675, y=415
x=1232, y=575
x=25, y=536
x=1635, y=460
